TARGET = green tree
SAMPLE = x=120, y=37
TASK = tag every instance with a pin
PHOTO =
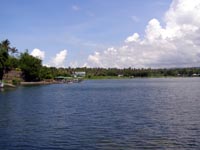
x=12, y=63
x=5, y=50
x=30, y=67
x=45, y=73
x=3, y=59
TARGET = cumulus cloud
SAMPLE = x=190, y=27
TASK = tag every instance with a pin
x=38, y=53
x=176, y=44
x=133, y=38
x=60, y=58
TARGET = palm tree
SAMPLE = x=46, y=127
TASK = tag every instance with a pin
x=3, y=59
x=6, y=45
x=5, y=49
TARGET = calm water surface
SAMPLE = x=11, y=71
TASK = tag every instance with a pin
x=102, y=115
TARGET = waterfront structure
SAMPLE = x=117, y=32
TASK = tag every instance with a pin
x=79, y=74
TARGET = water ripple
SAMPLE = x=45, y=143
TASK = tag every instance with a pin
x=102, y=115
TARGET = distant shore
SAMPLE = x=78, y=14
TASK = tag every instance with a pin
x=116, y=77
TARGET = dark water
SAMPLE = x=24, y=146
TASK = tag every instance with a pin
x=103, y=115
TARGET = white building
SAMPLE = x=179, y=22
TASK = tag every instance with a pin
x=79, y=74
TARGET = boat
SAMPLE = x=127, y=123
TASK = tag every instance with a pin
x=77, y=80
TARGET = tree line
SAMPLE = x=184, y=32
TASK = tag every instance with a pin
x=33, y=70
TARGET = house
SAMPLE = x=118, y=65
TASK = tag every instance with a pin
x=195, y=75
x=79, y=74
x=120, y=75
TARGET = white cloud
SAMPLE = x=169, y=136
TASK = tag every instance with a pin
x=177, y=44
x=60, y=58
x=38, y=53
x=134, y=38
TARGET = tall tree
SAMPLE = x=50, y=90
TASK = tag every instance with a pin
x=5, y=50
x=3, y=59
x=30, y=66
x=6, y=45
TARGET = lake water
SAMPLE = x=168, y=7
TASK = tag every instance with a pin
x=102, y=115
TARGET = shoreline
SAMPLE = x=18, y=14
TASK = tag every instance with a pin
x=111, y=77
x=95, y=78
x=37, y=83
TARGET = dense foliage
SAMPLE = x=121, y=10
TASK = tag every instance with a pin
x=30, y=67
x=92, y=73
x=5, y=51
x=132, y=72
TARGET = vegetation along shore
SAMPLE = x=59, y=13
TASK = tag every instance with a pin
x=22, y=68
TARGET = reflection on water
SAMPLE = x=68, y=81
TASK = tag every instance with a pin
x=102, y=114
x=2, y=90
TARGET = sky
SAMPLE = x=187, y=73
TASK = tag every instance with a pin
x=105, y=33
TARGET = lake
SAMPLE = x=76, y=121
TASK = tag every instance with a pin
x=102, y=115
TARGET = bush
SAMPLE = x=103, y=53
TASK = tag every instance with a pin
x=17, y=69
x=16, y=81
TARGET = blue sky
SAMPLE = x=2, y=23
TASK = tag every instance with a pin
x=82, y=27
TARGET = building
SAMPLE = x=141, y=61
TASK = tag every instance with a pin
x=79, y=74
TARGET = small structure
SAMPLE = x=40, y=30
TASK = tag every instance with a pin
x=79, y=74
x=62, y=79
x=120, y=75
x=195, y=75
